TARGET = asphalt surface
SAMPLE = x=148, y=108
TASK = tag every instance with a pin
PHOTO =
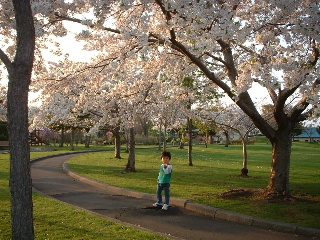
x=183, y=220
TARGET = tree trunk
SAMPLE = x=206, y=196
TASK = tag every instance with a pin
x=145, y=126
x=279, y=184
x=131, y=165
x=244, y=170
x=62, y=137
x=117, y=143
x=20, y=179
x=127, y=137
x=160, y=137
x=164, y=139
x=88, y=140
x=19, y=80
x=190, y=142
x=206, y=141
x=72, y=139
x=181, y=144
x=226, y=133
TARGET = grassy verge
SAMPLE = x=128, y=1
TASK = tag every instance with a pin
x=216, y=171
x=54, y=220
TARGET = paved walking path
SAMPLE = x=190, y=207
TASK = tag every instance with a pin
x=183, y=220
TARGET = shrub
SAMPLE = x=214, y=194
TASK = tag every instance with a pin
x=100, y=141
x=142, y=140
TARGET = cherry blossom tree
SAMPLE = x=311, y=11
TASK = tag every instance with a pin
x=116, y=93
x=167, y=112
x=62, y=111
x=233, y=43
x=207, y=130
x=19, y=72
x=232, y=118
x=48, y=136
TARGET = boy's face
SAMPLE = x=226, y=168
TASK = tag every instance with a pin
x=165, y=160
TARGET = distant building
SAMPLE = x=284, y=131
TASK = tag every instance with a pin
x=309, y=134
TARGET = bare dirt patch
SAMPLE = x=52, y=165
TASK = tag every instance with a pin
x=259, y=195
x=252, y=193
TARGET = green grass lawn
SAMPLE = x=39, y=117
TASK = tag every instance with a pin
x=57, y=221
x=216, y=170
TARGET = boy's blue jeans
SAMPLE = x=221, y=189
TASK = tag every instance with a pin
x=166, y=188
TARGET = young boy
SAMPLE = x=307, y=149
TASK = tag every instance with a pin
x=164, y=180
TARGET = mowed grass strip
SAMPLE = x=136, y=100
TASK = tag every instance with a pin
x=216, y=170
x=57, y=221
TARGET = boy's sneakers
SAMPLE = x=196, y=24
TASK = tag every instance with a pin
x=157, y=204
x=165, y=207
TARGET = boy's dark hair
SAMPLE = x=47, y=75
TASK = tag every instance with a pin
x=166, y=154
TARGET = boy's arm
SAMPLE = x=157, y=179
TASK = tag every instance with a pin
x=167, y=169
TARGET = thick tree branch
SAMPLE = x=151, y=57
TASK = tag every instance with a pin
x=262, y=59
x=246, y=104
x=95, y=113
x=229, y=63
x=163, y=9
x=273, y=95
x=60, y=17
x=244, y=101
x=315, y=53
x=181, y=48
x=283, y=95
x=303, y=104
x=5, y=59
x=304, y=116
x=280, y=115
x=167, y=16
x=216, y=58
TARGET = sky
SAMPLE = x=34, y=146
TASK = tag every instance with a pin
x=257, y=92
x=74, y=48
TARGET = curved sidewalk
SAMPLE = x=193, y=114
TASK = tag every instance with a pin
x=184, y=220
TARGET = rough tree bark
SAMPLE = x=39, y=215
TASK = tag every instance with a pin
x=87, y=139
x=164, y=143
x=226, y=133
x=244, y=170
x=117, y=143
x=131, y=165
x=181, y=144
x=19, y=80
x=73, y=129
x=280, y=174
x=281, y=143
x=189, y=120
x=62, y=137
